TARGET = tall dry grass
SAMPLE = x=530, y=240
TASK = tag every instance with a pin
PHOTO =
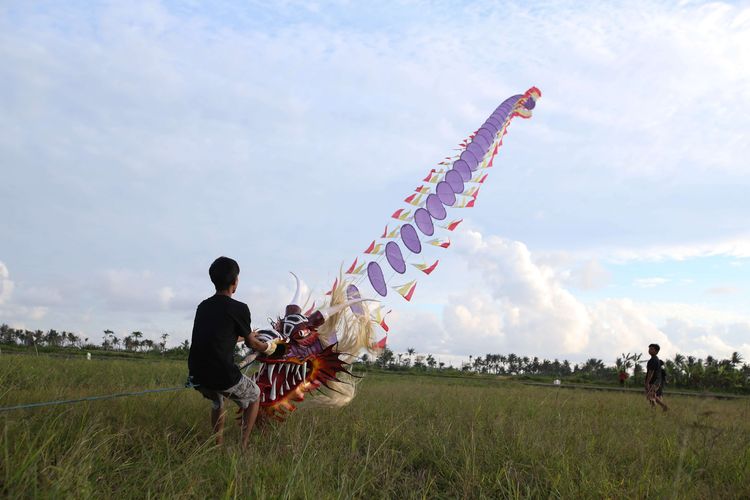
x=402, y=437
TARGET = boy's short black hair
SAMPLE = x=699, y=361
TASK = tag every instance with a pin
x=655, y=346
x=223, y=272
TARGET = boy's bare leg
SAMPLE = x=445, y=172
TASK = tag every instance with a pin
x=248, y=421
x=217, y=424
x=661, y=403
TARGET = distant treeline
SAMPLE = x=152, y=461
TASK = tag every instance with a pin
x=682, y=371
x=135, y=342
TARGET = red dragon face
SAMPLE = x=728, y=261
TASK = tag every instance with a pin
x=299, y=365
x=285, y=380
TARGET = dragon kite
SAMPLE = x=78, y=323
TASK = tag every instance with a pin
x=315, y=347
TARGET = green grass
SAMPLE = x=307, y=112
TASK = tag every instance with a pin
x=401, y=437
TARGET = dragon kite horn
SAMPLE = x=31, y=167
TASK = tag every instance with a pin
x=321, y=315
x=297, y=292
x=293, y=307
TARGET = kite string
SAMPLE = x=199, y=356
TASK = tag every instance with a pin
x=90, y=398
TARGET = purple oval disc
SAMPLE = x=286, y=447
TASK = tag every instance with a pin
x=482, y=141
x=422, y=216
x=445, y=194
x=453, y=178
x=487, y=134
x=352, y=293
x=500, y=117
x=409, y=236
x=435, y=207
x=395, y=259
x=495, y=122
x=477, y=150
x=490, y=126
x=462, y=168
x=377, y=280
x=470, y=159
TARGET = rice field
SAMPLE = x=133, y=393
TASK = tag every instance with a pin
x=401, y=437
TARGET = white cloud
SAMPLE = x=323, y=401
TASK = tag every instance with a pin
x=723, y=290
x=735, y=247
x=127, y=289
x=521, y=305
x=15, y=314
x=166, y=294
x=539, y=315
x=6, y=285
x=650, y=282
x=619, y=325
x=716, y=339
x=699, y=314
x=591, y=275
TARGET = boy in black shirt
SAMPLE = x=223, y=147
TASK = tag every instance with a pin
x=654, y=379
x=220, y=322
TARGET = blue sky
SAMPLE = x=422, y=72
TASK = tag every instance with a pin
x=140, y=140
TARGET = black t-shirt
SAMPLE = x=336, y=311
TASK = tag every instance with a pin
x=654, y=365
x=219, y=320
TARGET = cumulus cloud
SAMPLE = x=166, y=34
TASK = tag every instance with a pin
x=520, y=305
x=539, y=315
x=530, y=296
x=719, y=339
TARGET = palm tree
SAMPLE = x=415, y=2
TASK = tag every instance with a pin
x=137, y=339
x=479, y=365
x=163, y=343
x=410, y=351
x=52, y=338
x=736, y=359
x=431, y=361
x=384, y=359
x=512, y=364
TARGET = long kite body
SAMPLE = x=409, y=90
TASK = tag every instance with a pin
x=316, y=346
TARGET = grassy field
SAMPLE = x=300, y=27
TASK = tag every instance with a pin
x=401, y=437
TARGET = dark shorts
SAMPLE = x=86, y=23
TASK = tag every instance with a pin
x=243, y=393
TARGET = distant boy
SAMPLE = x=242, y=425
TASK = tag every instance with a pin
x=220, y=322
x=654, y=378
x=623, y=376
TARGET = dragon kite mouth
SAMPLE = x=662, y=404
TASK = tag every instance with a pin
x=284, y=381
x=281, y=379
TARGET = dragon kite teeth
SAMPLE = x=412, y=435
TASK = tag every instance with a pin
x=315, y=347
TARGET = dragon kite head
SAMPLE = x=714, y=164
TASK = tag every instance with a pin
x=304, y=359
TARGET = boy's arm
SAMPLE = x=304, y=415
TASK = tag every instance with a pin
x=252, y=341
x=649, y=376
